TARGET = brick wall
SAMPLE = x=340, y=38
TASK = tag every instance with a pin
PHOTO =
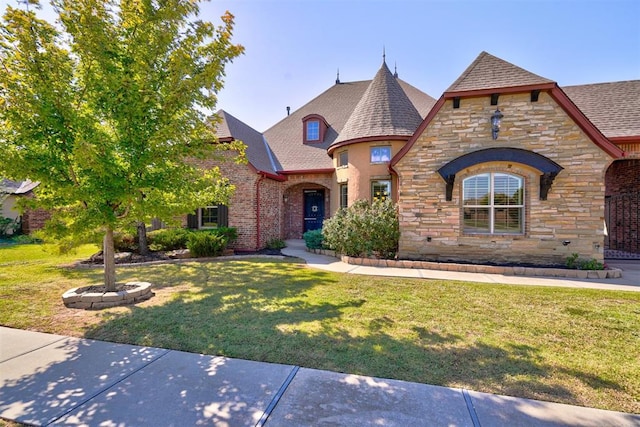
x=622, y=211
x=292, y=213
x=574, y=211
x=34, y=219
x=243, y=203
x=623, y=176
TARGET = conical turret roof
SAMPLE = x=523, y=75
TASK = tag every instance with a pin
x=383, y=110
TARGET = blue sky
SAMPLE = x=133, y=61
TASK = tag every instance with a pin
x=294, y=47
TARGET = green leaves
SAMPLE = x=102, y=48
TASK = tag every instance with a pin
x=106, y=110
x=364, y=229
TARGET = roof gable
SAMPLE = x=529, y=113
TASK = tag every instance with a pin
x=472, y=83
x=258, y=151
x=489, y=72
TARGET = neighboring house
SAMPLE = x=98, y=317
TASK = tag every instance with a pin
x=10, y=193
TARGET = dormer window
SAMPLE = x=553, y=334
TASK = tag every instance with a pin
x=314, y=128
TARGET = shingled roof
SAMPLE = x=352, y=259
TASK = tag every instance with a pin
x=490, y=72
x=384, y=110
x=8, y=186
x=336, y=105
x=258, y=152
x=614, y=108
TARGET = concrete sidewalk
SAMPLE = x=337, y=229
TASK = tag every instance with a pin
x=630, y=280
x=56, y=380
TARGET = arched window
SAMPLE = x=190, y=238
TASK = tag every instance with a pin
x=493, y=203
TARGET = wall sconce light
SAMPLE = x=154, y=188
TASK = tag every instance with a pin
x=496, y=118
x=566, y=243
x=285, y=198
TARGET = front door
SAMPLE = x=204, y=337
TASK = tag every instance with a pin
x=313, y=209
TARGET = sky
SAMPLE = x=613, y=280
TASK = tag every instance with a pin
x=294, y=48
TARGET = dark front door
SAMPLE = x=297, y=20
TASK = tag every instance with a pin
x=313, y=209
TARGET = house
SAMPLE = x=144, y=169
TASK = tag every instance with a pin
x=557, y=173
x=505, y=167
x=10, y=193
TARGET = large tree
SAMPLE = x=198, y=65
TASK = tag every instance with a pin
x=107, y=109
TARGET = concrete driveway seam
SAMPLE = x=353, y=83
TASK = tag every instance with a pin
x=274, y=402
x=33, y=349
x=471, y=408
x=107, y=388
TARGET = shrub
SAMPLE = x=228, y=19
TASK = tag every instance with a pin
x=364, y=229
x=9, y=227
x=168, y=239
x=573, y=261
x=125, y=242
x=313, y=239
x=276, y=244
x=229, y=233
x=25, y=239
x=206, y=244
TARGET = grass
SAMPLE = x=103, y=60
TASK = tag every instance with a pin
x=573, y=346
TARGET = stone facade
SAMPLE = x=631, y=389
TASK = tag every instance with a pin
x=571, y=220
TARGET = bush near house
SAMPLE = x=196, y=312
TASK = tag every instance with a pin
x=364, y=229
x=170, y=239
x=313, y=239
x=204, y=244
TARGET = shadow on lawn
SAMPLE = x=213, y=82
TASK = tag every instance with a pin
x=262, y=311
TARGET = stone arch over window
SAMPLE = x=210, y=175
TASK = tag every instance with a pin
x=548, y=168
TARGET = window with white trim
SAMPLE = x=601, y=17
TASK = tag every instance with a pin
x=493, y=203
x=313, y=130
x=343, y=159
x=380, y=190
x=344, y=196
x=380, y=154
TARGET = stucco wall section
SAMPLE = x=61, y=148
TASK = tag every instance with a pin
x=360, y=172
x=573, y=211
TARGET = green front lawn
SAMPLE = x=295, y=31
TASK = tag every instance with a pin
x=573, y=346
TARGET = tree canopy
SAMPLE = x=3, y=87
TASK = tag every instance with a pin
x=107, y=107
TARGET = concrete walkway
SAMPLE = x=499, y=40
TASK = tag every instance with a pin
x=630, y=280
x=54, y=380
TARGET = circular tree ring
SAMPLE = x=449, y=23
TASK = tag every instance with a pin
x=95, y=297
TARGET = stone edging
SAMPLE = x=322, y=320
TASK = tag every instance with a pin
x=613, y=273
x=77, y=298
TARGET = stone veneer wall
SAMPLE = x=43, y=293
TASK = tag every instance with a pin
x=574, y=210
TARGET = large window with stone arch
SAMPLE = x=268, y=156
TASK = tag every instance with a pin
x=493, y=203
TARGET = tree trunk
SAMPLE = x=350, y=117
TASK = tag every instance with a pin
x=109, y=261
x=143, y=246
